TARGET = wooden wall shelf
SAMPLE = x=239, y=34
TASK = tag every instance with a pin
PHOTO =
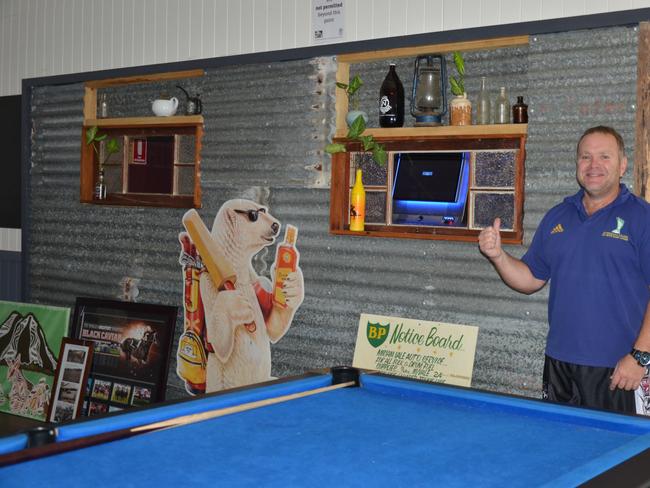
x=473, y=138
x=133, y=122
x=445, y=131
x=509, y=138
x=126, y=128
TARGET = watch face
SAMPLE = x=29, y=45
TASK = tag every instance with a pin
x=644, y=358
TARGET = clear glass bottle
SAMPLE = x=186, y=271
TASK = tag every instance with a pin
x=483, y=104
x=502, y=108
x=103, y=106
x=100, y=187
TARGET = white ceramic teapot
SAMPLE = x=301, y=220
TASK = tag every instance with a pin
x=165, y=108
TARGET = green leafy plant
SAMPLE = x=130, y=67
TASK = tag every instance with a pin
x=94, y=138
x=351, y=91
x=355, y=132
x=368, y=142
x=458, y=83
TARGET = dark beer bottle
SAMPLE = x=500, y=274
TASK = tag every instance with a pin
x=391, y=100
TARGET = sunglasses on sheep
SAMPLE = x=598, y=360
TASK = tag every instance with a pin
x=252, y=215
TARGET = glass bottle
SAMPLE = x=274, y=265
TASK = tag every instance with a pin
x=286, y=261
x=391, y=100
x=100, y=187
x=520, y=112
x=103, y=106
x=483, y=104
x=357, y=204
x=502, y=108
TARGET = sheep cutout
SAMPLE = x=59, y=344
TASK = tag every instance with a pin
x=233, y=315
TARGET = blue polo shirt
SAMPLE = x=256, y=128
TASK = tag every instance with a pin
x=599, y=267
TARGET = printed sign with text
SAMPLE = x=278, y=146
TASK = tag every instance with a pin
x=419, y=349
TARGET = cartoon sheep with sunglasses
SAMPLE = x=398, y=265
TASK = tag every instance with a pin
x=240, y=316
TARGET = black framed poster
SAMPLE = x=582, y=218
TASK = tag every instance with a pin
x=131, y=350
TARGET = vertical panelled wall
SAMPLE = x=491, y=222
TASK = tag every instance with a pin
x=266, y=125
x=51, y=37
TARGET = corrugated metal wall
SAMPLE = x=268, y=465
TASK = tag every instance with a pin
x=266, y=126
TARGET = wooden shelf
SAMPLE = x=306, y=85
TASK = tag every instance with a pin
x=424, y=232
x=444, y=131
x=345, y=60
x=128, y=80
x=128, y=122
x=402, y=52
x=129, y=127
x=145, y=200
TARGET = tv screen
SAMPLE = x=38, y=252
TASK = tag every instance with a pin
x=427, y=177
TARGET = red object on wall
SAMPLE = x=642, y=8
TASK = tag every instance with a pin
x=140, y=151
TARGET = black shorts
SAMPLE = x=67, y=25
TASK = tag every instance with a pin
x=587, y=386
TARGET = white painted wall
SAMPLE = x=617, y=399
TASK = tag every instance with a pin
x=53, y=37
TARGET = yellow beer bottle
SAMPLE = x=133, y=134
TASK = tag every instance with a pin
x=357, y=204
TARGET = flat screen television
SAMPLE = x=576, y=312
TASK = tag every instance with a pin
x=430, y=188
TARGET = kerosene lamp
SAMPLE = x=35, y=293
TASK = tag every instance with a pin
x=429, y=100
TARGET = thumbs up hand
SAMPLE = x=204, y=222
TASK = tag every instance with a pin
x=489, y=240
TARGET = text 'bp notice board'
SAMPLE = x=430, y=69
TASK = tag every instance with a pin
x=432, y=351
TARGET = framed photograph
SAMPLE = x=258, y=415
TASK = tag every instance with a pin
x=70, y=380
x=132, y=345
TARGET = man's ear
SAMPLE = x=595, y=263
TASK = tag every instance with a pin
x=623, y=166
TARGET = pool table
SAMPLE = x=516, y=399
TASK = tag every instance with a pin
x=340, y=427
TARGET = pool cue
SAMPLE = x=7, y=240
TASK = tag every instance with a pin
x=211, y=414
x=64, y=446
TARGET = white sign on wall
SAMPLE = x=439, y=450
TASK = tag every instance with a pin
x=431, y=351
x=328, y=20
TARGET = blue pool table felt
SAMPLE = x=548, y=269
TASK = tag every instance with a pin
x=378, y=435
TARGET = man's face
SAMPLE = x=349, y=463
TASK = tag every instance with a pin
x=599, y=165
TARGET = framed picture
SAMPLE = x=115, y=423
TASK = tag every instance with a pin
x=132, y=345
x=70, y=381
x=30, y=337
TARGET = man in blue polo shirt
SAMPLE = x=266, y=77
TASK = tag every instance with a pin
x=594, y=247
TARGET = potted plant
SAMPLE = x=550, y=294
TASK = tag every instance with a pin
x=94, y=138
x=460, y=112
x=351, y=90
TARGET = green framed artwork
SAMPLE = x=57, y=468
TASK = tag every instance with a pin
x=30, y=339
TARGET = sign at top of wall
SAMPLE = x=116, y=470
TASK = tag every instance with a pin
x=328, y=19
x=431, y=351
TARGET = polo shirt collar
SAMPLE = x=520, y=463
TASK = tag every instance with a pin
x=576, y=200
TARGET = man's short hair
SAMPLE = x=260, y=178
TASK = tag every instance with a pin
x=603, y=129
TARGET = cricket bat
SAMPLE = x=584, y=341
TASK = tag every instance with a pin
x=213, y=259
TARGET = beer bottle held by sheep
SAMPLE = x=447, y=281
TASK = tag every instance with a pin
x=286, y=261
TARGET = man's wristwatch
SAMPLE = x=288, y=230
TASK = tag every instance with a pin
x=642, y=357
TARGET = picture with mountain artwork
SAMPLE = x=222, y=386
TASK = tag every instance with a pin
x=29, y=336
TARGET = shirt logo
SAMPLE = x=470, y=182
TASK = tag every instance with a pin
x=619, y=225
x=616, y=232
x=557, y=229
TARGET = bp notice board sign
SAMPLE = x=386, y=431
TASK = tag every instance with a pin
x=425, y=350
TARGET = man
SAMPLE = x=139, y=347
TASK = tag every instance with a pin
x=594, y=247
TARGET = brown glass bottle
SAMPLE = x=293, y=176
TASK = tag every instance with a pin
x=520, y=112
x=391, y=100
